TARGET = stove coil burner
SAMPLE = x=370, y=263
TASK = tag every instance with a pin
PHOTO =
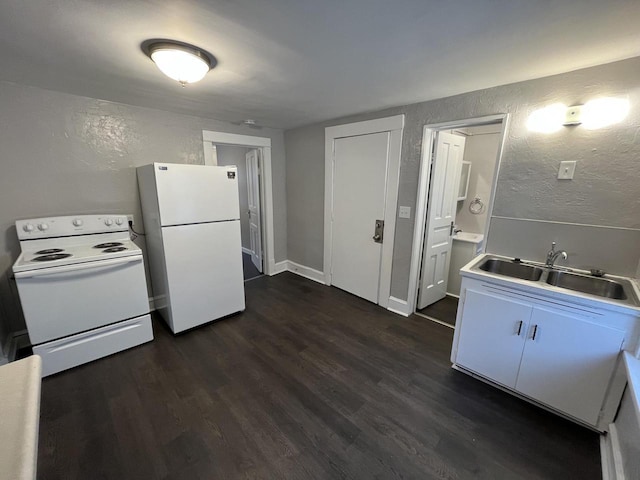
x=51, y=257
x=114, y=249
x=49, y=251
x=109, y=245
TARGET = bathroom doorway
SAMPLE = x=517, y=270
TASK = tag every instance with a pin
x=461, y=162
x=247, y=160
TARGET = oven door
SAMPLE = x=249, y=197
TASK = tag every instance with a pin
x=61, y=301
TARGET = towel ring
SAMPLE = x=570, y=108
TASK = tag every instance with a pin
x=476, y=206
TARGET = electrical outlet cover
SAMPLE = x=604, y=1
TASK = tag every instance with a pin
x=404, y=212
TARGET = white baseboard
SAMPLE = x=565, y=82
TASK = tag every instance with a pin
x=279, y=267
x=306, y=272
x=152, y=304
x=401, y=307
x=246, y=250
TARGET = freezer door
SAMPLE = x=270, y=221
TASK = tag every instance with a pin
x=196, y=193
x=204, y=271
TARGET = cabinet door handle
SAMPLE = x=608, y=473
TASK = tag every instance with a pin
x=519, y=327
x=535, y=330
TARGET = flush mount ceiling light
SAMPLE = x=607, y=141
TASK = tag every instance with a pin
x=182, y=62
x=594, y=114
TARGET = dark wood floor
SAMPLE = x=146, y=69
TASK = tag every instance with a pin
x=309, y=382
x=249, y=270
x=443, y=310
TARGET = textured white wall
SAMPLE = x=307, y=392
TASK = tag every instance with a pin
x=63, y=154
x=605, y=192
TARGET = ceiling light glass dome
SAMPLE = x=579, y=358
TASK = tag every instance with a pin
x=181, y=63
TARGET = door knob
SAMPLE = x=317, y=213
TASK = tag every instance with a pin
x=376, y=237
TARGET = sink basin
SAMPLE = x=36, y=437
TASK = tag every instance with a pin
x=511, y=269
x=612, y=288
x=601, y=287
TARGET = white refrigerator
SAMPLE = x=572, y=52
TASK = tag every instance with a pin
x=192, y=225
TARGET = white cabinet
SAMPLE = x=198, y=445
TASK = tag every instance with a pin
x=567, y=363
x=552, y=355
x=492, y=337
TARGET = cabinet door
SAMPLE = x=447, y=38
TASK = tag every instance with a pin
x=568, y=363
x=492, y=335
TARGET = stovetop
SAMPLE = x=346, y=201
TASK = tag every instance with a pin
x=73, y=246
x=74, y=253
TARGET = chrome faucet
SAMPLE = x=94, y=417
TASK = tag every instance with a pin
x=552, y=255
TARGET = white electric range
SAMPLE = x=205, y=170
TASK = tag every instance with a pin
x=82, y=288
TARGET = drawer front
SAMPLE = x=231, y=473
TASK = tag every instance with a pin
x=85, y=347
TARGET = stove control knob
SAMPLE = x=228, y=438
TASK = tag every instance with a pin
x=43, y=226
x=119, y=221
x=108, y=222
x=78, y=222
x=28, y=227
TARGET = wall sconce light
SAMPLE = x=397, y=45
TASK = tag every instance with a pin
x=179, y=61
x=594, y=114
x=548, y=119
x=603, y=112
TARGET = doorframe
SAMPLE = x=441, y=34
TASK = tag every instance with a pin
x=429, y=133
x=211, y=138
x=394, y=125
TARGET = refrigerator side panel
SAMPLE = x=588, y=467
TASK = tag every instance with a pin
x=204, y=267
x=196, y=193
x=153, y=239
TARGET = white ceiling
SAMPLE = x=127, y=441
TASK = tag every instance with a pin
x=292, y=62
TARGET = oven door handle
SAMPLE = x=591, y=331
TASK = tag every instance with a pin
x=77, y=267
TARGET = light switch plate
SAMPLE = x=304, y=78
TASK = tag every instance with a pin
x=404, y=212
x=566, y=170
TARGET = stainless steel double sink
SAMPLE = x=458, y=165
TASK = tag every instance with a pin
x=618, y=289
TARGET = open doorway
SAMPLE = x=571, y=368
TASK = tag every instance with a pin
x=247, y=161
x=458, y=178
x=256, y=152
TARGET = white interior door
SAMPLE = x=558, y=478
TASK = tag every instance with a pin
x=359, y=179
x=441, y=215
x=253, y=190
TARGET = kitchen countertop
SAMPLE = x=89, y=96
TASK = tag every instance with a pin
x=20, y=402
